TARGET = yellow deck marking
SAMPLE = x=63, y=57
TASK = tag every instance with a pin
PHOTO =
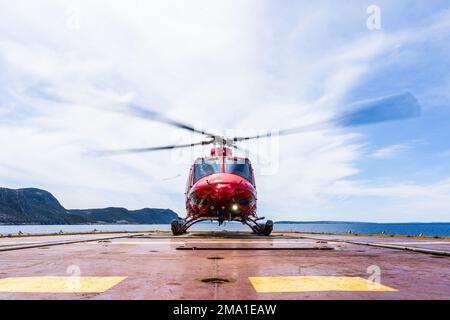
x=314, y=283
x=56, y=284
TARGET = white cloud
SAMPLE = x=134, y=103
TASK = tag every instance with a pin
x=390, y=152
x=395, y=150
x=406, y=201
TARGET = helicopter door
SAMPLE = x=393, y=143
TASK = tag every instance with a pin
x=189, y=180
x=252, y=174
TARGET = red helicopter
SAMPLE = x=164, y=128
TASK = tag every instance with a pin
x=222, y=187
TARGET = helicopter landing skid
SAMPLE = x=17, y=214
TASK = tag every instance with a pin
x=259, y=228
x=180, y=227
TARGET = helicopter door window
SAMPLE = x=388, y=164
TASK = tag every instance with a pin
x=206, y=167
x=239, y=166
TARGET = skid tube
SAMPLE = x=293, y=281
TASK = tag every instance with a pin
x=257, y=228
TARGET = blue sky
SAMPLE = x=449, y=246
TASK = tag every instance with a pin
x=231, y=67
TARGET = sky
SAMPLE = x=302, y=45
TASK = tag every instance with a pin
x=69, y=68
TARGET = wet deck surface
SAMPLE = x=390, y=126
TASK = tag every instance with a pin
x=159, y=266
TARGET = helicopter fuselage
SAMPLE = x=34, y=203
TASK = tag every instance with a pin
x=221, y=187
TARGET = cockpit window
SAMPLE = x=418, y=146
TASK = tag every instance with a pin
x=206, y=167
x=239, y=166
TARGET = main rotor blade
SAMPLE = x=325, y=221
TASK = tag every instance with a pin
x=402, y=106
x=390, y=108
x=150, y=149
x=141, y=112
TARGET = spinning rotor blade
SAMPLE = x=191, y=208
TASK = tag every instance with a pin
x=152, y=115
x=142, y=150
x=391, y=108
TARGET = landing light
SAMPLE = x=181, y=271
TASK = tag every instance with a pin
x=234, y=207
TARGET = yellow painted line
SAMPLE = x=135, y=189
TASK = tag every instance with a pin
x=314, y=283
x=56, y=284
x=416, y=243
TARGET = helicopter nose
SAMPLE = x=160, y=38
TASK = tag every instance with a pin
x=223, y=191
x=217, y=191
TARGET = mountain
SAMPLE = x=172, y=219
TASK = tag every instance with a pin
x=33, y=206
x=36, y=206
x=124, y=216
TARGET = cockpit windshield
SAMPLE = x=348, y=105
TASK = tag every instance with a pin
x=206, y=167
x=238, y=166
